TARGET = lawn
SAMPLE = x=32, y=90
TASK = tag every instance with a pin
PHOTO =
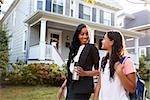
x=28, y=93
x=34, y=92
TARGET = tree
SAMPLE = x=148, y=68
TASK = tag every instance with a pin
x=4, y=54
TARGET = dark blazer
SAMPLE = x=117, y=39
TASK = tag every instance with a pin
x=89, y=57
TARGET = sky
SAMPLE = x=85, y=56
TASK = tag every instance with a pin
x=127, y=7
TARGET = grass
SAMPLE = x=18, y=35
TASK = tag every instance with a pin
x=36, y=92
x=28, y=93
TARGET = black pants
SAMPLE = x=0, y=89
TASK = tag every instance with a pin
x=72, y=96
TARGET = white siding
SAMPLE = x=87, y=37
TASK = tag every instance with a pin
x=16, y=27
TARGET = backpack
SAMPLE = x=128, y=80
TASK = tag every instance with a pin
x=140, y=93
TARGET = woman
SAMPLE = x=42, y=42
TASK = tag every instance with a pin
x=81, y=89
x=116, y=80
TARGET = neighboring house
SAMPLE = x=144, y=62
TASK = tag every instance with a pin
x=1, y=2
x=140, y=22
x=42, y=30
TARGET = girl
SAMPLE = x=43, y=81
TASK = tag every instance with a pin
x=116, y=79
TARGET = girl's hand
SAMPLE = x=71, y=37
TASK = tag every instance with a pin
x=118, y=68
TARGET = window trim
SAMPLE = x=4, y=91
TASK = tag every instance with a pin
x=86, y=14
x=106, y=19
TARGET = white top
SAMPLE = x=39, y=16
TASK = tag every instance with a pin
x=112, y=89
x=76, y=58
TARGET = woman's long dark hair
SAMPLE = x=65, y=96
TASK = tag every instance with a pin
x=118, y=49
x=75, y=44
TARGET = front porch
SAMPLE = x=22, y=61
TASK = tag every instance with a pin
x=50, y=36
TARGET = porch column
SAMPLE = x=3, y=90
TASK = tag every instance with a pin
x=42, y=40
x=91, y=31
x=136, y=43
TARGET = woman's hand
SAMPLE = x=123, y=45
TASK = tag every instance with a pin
x=80, y=71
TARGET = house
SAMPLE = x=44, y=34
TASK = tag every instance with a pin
x=140, y=22
x=42, y=30
x=1, y=2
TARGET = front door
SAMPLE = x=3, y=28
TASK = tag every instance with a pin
x=54, y=38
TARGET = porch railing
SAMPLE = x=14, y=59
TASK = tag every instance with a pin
x=34, y=52
x=51, y=53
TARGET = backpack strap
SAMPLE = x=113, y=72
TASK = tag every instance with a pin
x=123, y=59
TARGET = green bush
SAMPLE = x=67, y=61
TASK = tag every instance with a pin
x=34, y=74
x=143, y=70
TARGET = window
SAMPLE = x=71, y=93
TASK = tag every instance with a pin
x=39, y=5
x=142, y=52
x=24, y=41
x=14, y=18
x=94, y=14
x=0, y=10
x=48, y=5
x=72, y=7
x=10, y=45
x=107, y=18
x=71, y=12
x=58, y=6
x=86, y=12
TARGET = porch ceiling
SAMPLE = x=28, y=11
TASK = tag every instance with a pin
x=71, y=22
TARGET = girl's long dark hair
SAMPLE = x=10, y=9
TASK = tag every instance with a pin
x=118, y=49
x=75, y=44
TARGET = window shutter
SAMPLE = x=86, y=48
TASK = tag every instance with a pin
x=101, y=16
x=80, y=11
x=94, y=14
x=67, y=12
x=48, y=5
x=112, y=19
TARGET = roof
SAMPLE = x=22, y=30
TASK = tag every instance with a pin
x=126, y=15
x=142, y=27
x=140, y=18
x=49, y=16
x=12, y=6
x=113, y=4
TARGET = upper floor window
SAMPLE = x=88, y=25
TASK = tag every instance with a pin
x=48, y=5
x=58, y=6
x=84, y=12
x=107, y=18
x=39, y=4
x=72, y=7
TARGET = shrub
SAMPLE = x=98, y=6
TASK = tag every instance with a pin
x=34, y=74
x=143, y=70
